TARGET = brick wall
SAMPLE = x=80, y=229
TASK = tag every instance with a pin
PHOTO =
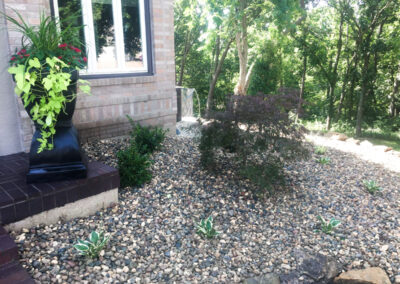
x=147, y=99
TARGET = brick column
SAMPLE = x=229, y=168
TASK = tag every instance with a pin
x=10, y=138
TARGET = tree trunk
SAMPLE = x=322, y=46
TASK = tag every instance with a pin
x=334, y=75
x=243, y=52
x=302, y=87
x=396, y=87
x=364, y=90
x=218, y=68
x=187, y=48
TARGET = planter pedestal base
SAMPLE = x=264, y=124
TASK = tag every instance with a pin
x=63, y=162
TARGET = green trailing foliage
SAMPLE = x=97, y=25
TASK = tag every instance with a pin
x=147, y=139
x=205, y=228
x=257, y=135
x=134, y=167
x=93, y=246
x=328, y=227
x=371, y=186
x=42, y=85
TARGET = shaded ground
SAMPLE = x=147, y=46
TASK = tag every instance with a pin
x=153, y=236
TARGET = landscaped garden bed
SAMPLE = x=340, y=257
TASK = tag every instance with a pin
x=153, y=234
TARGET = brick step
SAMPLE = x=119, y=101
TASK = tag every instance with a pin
x=8, y=249
x=13, y=273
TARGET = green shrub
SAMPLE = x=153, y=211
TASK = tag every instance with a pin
x=92, y=247
x=257, y=135
x=146, y=138
x=134, y=167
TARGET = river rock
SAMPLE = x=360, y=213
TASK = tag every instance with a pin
x=317, y=267
x=371, y=275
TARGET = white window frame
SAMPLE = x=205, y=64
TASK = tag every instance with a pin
x=87, y=15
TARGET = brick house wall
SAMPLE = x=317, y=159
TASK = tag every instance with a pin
x=147, y=99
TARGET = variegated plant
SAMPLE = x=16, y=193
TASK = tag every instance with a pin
x=205, y=228
x=328, y=227
x=92, y=247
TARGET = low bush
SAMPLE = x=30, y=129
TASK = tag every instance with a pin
x=257, y=132
x=134, y=167
x=146, y=138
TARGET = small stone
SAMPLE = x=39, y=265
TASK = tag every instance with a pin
x=125, y=269
x=384, y=248
x=397, y=279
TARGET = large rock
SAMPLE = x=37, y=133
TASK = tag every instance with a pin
x=316, y=268
x=340, y=137
x=371, y=275
x=270, y=278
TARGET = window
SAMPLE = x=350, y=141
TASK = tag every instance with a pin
x=116, y=34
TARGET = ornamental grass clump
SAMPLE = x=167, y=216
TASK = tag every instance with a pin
x=257, y=134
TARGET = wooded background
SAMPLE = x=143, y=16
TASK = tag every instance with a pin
x=342, y=57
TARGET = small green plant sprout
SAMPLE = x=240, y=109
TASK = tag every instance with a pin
x=371, y=186
x=328, y=227
x=205, y=228
x=320, y=150
x=91, y=248
x=324, y=160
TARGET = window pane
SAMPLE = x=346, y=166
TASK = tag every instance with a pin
x=71, y=10
x=132, y=34
x=104, y=34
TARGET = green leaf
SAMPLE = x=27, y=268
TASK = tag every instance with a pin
x=49, y=120
x=34, y=62
x=94, y=237
x=81, y=247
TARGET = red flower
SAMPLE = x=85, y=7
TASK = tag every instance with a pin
x=60, y=57
x=19, y=53
x=27, y=55
x=64, y=45
x=77, y=50
x=85, y=59
x=13, y=58
x=23, y=50
x=21, y=56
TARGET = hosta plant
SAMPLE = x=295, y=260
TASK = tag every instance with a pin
x=320, y=150
x=324, y=160
x=92, y=247
x=328, y=227
x=205, y=228
x=371, y=186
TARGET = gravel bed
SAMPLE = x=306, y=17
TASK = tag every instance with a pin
x=154, y=241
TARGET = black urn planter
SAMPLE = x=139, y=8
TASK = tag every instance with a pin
x=65, y=160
